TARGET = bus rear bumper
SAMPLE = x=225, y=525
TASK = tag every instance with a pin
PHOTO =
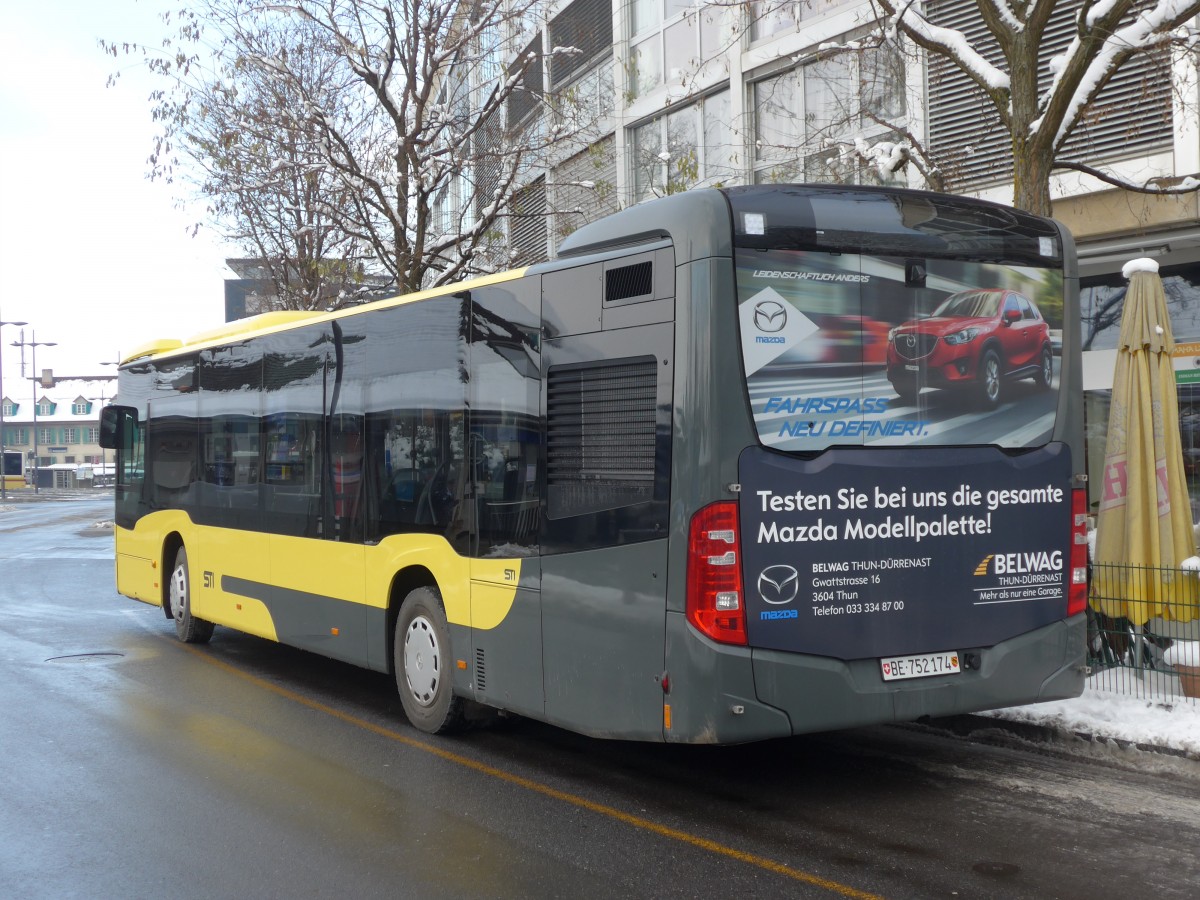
x=824, y=694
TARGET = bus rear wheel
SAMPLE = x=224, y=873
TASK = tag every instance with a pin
x=423, y=662
x=188, y=628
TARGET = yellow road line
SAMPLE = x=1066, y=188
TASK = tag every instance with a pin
x=545, y=790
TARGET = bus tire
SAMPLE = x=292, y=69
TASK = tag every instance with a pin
x=188, y=628
x=991, y=375
x=424, y=664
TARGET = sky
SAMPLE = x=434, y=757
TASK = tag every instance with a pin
x=95, y=257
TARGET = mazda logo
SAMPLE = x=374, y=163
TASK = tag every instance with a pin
x=910, y=340
x=769, y=316
x=778, y=584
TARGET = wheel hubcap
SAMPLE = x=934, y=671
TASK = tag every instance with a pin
x=422, y=661
x=178, y=593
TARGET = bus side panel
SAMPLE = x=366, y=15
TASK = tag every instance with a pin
x=139, y=570
x=602, y=626
x=506, y=635
x=220, y=562
x=317, y=597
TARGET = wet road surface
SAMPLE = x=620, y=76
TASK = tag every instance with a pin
x=134, y=766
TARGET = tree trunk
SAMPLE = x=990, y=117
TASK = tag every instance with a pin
x=1031, y=153
x=1031, y=178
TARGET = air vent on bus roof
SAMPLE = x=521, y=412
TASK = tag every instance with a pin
x=629, y=284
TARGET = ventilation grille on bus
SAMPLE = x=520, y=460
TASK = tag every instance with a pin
x=600, y=435
x=480, y=671
x=629, y=283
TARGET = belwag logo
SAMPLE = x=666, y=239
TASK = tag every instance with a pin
x=770, y=316
x=1021, y=563
x=778, y=585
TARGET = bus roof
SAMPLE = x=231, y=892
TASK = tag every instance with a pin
x=282, y=320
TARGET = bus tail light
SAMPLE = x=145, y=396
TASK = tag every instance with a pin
x=714, y=574
x=1077, y=590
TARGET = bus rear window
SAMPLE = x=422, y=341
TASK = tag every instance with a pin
x=850, y=349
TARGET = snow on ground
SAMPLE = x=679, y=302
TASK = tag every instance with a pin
x=1153, y=715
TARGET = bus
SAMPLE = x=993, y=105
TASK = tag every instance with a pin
x=737, y=464
x=13, y=469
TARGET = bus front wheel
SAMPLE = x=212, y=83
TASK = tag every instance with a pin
x=424, y=664
x=188, y=628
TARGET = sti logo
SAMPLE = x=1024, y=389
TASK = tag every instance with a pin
x=778, y=585
x=769, y=316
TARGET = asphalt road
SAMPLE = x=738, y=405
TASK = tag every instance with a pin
x=133, y=766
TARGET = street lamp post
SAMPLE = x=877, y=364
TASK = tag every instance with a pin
x=33, y=345
x=104, y=453
x=3, y=473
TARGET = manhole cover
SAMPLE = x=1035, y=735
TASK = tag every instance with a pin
x=87, y=658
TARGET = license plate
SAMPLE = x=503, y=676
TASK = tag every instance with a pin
x=909, y=368
x=923, y=665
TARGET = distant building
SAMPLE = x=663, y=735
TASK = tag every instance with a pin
x=62, y=441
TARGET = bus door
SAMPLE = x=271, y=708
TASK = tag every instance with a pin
x=502, y=495
x=607, y=365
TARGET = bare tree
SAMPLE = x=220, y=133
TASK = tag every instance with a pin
x=382, y=128
x=261, y=170
x=1041, y=103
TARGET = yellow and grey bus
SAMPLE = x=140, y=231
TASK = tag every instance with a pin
x=739, y=463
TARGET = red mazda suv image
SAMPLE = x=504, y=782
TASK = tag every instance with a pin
x=976, y=340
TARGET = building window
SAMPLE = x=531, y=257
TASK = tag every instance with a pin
x=527, y=231
x=45, y=408
x=70, y=436
x=80, y=408
x=45, y=435
x=772, y=17
x=10, y=409
x=809, y=120
x=15, y=436
x=685, y=148
x=586, y=25
x=91, y=436
x=669, y=40
x=585, y=187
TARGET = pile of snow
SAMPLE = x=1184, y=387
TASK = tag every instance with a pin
x=1183, y=653
x=1169, y=723
x=1143, y=264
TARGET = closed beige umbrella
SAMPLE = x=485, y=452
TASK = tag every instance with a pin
x=1145, y=514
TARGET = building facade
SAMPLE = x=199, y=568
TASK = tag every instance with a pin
x=61, y=442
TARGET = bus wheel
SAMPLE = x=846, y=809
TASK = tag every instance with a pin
x=989, y=379
x=188, y=628
x=423, y=664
